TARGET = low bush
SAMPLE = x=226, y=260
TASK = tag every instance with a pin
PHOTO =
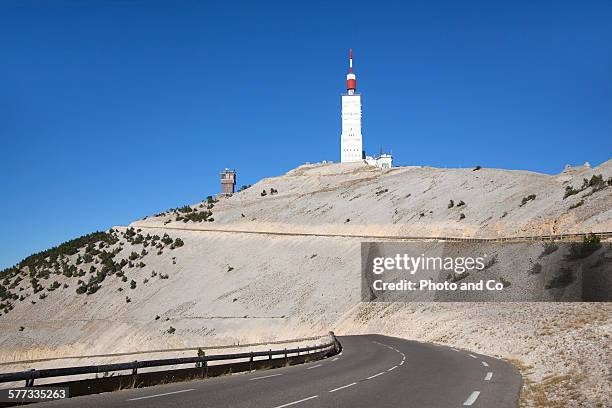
x=535, y=268
x=525, y=200
x=588, y=246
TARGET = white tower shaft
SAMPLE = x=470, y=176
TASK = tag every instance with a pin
x=351, y=145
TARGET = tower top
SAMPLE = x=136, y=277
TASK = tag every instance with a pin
x=351, y=80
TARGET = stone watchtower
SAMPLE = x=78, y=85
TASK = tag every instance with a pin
x=228, y=181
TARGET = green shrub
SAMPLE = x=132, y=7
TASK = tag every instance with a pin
x=197, y=216
x=93, y=288
x=525, y=200
x=263, y=193
x=185, y=209
x=589, y=245
x=535, y=268
x=570, y=191
x=132, y=284
x=451, y=204
x=597, y=182
x=477, y=168
x=171, y=330
x=461, y=216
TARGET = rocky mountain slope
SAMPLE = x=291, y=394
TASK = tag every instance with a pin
x=353, y=198
x=147, y=286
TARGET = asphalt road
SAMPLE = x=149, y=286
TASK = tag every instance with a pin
x=372, y=371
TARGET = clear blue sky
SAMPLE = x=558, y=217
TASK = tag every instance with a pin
x=110, y=111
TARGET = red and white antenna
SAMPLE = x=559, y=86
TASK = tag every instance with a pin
x=350, y=77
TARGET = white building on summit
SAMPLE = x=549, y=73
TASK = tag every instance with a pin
x=351, y=141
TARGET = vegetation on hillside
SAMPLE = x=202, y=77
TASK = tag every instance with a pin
x=187, y=213
x=596, y=183
x=89, y=260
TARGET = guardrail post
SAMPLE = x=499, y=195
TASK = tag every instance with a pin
x=251, y=362
x=270, y=358
x=30, y=381
x=135, y=368
x=286, y=358
x=203, y=364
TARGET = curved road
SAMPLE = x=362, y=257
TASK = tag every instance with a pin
x=372, y=371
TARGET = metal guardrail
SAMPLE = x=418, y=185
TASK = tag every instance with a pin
x=133, y=353
x=31, y=375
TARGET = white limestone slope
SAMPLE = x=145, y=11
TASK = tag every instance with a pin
x=234, y=287
x=414, y=201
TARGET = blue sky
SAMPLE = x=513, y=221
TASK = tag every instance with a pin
x=110, y=111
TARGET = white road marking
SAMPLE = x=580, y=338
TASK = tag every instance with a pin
x=375, y=375
x=473, y=356
x=318, y=365
x=488, y=376
x=161, y=395
x=402, y=363
x=484, y=363
x=343, y=387
x=454, y=349
x=472, y=398
x=297, y=402
x=265, y=376
x=392, y=368
x=335, y=359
